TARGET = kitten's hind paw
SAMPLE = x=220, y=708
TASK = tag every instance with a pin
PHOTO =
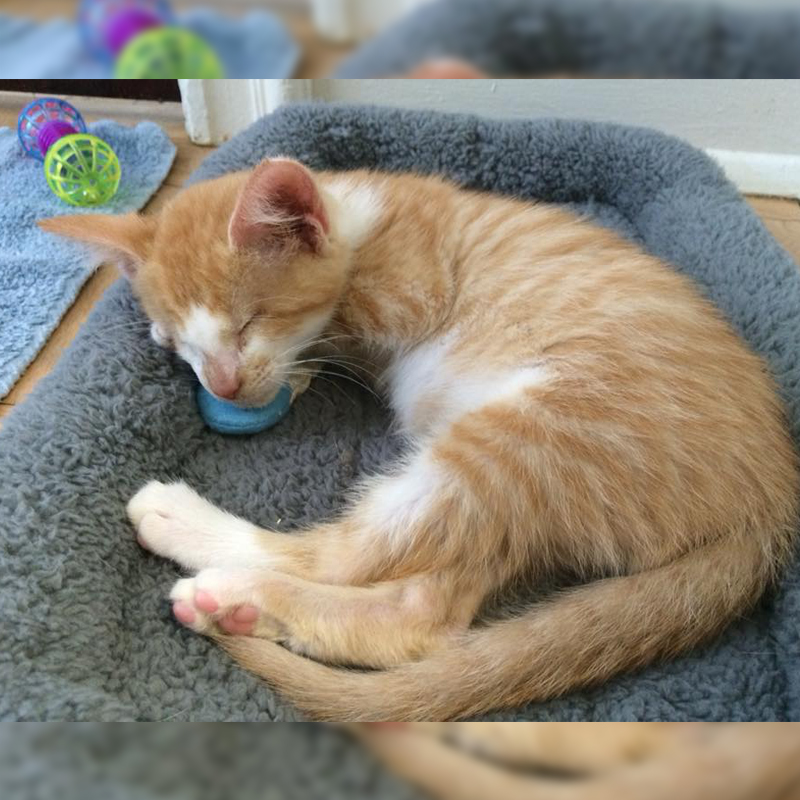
x=224, y=603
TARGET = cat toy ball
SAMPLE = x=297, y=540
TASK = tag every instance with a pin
x=80, y=168
x=141, y=35
x=224, y=417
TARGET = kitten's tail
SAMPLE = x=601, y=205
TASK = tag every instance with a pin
x=579, y=638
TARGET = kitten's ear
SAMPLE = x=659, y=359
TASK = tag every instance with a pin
x=279, y=206
x=126, y=238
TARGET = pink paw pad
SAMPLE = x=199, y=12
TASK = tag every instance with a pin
x=246, y=614
x=184, y=612
x=205, y=601
x=241, y=621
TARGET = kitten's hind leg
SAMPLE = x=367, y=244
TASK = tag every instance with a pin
x=444, y=772
x=375, y=626
x=758, y=761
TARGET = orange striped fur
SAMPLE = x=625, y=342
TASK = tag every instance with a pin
x=592, y=761
x=574, y=407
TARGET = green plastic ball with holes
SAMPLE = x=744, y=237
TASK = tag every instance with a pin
x=168, y=53
x=82, y=170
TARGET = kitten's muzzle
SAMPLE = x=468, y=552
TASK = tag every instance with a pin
x=222, y=377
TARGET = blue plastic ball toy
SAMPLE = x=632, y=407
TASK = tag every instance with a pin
x=228, y=418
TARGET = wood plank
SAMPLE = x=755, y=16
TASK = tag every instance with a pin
x=320, y=57
x=781, y=216
x=128, y=112
x=787, y=232
x=776, y=207
x=47, y=9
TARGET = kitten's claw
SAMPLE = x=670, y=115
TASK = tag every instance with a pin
x=300, y=385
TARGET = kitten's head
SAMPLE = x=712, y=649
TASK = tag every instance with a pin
x=239, y=275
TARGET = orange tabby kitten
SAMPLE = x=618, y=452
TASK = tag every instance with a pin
x=574, y=407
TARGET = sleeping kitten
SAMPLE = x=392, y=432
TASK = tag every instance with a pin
x=606, y=761
x=575, y=407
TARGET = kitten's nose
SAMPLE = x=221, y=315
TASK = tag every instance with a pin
x=222, y=376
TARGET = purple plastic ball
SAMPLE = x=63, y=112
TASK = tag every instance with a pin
x=104, y=24
x=126, y=25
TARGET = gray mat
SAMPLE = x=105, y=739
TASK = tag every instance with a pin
x=170, y=761
x=86, y=631
x=617, y=38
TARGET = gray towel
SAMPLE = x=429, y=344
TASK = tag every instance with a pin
x=86, y=630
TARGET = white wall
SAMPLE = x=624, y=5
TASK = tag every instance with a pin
x=760, y=116
x=752, y=128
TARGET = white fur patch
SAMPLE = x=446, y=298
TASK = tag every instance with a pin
x=424, y=374
x=474, y=392
x=398, y=504
x=360, y=208
x=203, y=329
x=173, y=521
x=199, y=335
x=415, y=375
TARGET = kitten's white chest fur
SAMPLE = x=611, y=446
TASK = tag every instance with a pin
x=426, y=391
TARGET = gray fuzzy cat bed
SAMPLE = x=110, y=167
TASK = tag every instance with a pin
x=86, y=629
x=617, y=38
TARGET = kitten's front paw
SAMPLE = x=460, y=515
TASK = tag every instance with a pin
x=166, y=517
x=168, y=501
x=173, y=521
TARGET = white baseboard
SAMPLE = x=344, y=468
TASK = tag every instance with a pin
x=215, y=110
x=772, y=174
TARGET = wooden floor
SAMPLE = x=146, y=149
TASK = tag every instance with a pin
x=781, y=216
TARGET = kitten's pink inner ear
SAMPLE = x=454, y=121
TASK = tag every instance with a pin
x=279, y=205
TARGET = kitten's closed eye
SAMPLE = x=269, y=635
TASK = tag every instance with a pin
x=248, y=323
x=245, y=329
